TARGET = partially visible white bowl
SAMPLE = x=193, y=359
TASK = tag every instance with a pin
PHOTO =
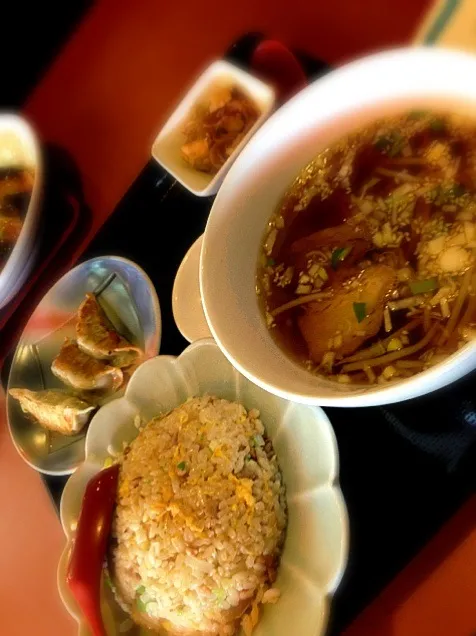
x=315, y=551
x=318, y=116
x=19, y=147
x=166, y=148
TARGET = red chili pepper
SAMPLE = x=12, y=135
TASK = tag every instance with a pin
x=90, y=544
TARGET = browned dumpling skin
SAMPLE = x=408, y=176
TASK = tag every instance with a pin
x=326, y=320
x=55, y=410
x=81, y=371
x=98, y=338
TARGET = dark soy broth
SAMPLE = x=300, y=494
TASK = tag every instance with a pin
x=367, y=268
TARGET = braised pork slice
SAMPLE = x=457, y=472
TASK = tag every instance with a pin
x=353, y=314
x=339, y=236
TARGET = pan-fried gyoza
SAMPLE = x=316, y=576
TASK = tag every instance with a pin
x=54, y=409
x=97, y=337
x=90, y=366
x=80, y=371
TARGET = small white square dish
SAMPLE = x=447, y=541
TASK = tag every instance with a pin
x=166, y=149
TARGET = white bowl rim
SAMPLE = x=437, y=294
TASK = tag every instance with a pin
x=437, y=377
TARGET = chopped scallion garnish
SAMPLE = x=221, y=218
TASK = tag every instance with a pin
x=219, y=594
x=417, y=114
x=107, y=580
x=457, y=190
x=360, y=311
x=257, y=440
x=437, y=125
x=338, y=255
x=270, y=262
x=391, y=144
x=141, y=606
x=423, y=286
x=441, y=196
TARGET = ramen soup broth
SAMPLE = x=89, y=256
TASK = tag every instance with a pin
x=367, y=268
x=16, y=184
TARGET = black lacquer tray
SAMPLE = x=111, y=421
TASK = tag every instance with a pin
x=404, y=469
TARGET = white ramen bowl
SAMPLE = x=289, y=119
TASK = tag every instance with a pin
x=315, y=550
x=317, y=117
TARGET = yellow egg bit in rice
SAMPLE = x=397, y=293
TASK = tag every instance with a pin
x=200, y=520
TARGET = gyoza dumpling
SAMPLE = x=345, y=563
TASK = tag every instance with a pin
x=78, y=369
x=54, y=409
x=98, y=338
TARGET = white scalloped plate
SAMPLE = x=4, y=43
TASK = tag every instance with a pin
x=315, y=552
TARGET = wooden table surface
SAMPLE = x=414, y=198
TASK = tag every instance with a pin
x=104, y=99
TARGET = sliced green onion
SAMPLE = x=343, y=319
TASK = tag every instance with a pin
x=437, y=125
x=219, y=594
x=257, y=440
x=338, y=255
x=181, y=465
x=457, y=190
x=381, y=143
x=417, y=114
x=423, y=286
x=270, y=262
x=107, y=580
x=396, y=148
x=434, y=195
x=392, y=144
x=441, y=196
x=141, y=606
x=360, y=311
